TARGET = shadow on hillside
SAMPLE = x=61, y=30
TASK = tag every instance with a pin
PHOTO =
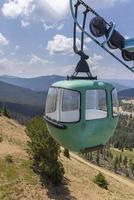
x=61, y=192
x=58, y=193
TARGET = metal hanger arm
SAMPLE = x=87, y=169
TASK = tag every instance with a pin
x=76, y=24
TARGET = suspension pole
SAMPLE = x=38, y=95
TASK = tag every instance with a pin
x=84, y=23
x=75, y=26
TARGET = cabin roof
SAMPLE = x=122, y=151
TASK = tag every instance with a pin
x=87, y=84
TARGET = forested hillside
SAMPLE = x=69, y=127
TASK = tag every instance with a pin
x=124, y=134
x=15, y=94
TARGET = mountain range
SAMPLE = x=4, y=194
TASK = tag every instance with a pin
x=42, y=83
x=127, y=94
x=14, y=94
x=27, y=96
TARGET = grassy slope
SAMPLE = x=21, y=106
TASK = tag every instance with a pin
x=127, y=153
x=18, y=181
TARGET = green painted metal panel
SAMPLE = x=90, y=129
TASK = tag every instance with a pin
x=84, y=134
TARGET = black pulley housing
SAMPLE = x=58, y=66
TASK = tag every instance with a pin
x=116, y=40
x=127, y=56
x=98, y=27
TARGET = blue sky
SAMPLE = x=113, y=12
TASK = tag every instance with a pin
x=36, y=38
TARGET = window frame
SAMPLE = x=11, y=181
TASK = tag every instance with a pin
x=61, y=100
x=61, y=122
x=112, y=111
x=55, y=101
x=106, y=104
x=78, y=100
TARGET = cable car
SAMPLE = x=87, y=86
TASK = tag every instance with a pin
x=82, y=114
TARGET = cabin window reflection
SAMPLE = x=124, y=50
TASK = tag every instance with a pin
x=70, y=111
x=51, y=104
x=115, y=103
x=96, y=104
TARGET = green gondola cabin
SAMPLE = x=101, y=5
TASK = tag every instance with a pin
x=81, y=114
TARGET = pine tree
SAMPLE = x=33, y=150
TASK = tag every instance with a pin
x=125, y=161
x=107, y=154
x=131, y=166
x=111, y=155
x=5, y=111
x=120, y=158
x=98, y=157
x=101, y=181
x=127, y=174
x=44, y=151
x=66, y=153
x=91, y=156
x=115, y=164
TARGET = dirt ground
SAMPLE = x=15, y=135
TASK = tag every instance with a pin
x=79, y=175
x=14, y=138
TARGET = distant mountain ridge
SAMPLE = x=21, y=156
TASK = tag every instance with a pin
x=41, y=83
x=127, y=94
x=14, y=94
x=26, y=91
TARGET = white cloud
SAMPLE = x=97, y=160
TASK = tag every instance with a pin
x=3, y=40
x=46, y=10
x=10, y=66
x=14, y=67
x=35, y=66
x=47, y=27
x=112, y=72
x=16, y=8
x=55, y=9
x=61, y=45
x=93, y=61
x=24, y=24
x=4, y=61
x=53, y=26
x=108, y=71
x=35, y=60
x=39, y=9
x=60, y=27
